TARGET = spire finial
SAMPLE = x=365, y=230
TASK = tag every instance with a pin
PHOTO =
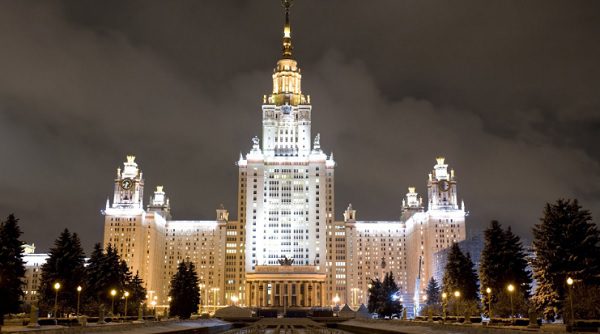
x=287, y=30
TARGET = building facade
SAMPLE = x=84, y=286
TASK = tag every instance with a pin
x=285, y=248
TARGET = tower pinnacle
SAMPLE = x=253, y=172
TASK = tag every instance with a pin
x=287, y=30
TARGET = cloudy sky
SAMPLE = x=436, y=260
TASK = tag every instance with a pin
x=507, y=91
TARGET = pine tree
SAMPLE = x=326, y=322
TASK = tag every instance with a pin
x=503, y=262
x=106, y=272
x=375, y=303
x=65, y=265
x=460, y=275
x=391, y=305
x=492, y=267
x=566, y=244
x=516, y=272
x=185, y=293
x=433, y=292
x=137, y=292
x=95, y=283
x=12, y=267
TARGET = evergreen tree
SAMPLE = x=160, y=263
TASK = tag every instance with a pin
x=391, y=304
x=185, y=293
x=503, y=262
x=137, y=292
x=566, y=244
x=516, y=265
x=492, y=267
x=106, y=272
x=65, y=265
x=95, y=283
x=383, y=297
x=433, y=292
x=12, y=267
x=460, y=275
x=375, y=303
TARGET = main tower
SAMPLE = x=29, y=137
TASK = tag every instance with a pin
x=286, y=193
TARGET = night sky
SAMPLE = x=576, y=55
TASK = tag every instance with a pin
x=507, y=91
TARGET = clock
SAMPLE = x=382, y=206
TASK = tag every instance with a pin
x=126, y=184
x=444, y=185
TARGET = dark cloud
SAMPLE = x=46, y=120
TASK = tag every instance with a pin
x=507, y=91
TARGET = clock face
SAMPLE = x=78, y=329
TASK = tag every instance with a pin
x=126, y=183
x=444, y=185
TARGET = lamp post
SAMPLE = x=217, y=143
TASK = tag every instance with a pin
x=215, y=291
x=489, y=294
x=169, y=306
x=570, y=282
x=234, y=299
x=202, y=296
x=113, y=293
x=444, y=301
x=511, y=289
x=153, y=303
x=336, y=300
x=56, y=288
x=126, y=295
x=79, y=288
x=457, y=296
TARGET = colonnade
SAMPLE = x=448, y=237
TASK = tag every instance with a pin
x=277, y=293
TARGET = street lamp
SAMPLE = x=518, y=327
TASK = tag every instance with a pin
x=511, y=289
x=336, y=299
x=215, y=291
x=113, y=293
x=489, y=294
x=79, y=288
x=234, y=299
x=202, y=296
x=457, y=296
x=444, y=298
x=56, y=288
x=169, y=299
x=570, y=282
x=126, y=294
x=153, y=303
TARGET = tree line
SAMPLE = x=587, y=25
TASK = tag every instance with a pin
x=67, y=283
x=565, y=263
x=104, y=282
x=566, y=249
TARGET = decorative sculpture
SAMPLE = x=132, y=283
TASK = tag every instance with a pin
x=285, y=261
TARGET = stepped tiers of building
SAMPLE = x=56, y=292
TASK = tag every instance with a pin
x=285, y=210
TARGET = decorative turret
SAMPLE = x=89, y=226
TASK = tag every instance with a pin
x=159, y=202
x=441, y=187
x=350, y=214
x=129, y=186
x=222, y=214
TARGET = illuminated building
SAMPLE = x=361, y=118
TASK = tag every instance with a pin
x=285, y=249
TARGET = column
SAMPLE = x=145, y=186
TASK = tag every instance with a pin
x=289, y=293
x=307, y=293
x=323, y=294
x=247, y=299
x=263, y=297
x=280, y=284
x=313, y=294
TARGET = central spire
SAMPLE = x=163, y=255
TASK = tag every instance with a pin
x=287, y=30
x=286, y=76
